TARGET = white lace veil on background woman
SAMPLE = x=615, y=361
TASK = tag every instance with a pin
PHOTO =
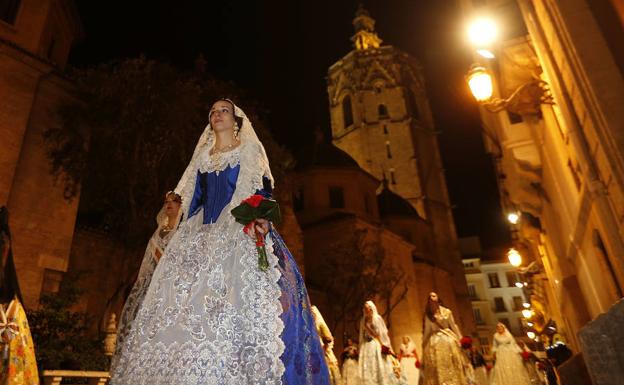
x=254, y=165
x=144, y=277
x=378, y=325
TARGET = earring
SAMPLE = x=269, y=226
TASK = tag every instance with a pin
x=236, y=130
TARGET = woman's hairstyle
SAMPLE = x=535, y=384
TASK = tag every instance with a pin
x=431, y=307
x=237, y=119
x=176, y=196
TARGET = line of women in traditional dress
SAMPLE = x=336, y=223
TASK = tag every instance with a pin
x=447, y=359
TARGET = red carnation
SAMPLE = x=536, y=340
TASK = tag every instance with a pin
x=526, y=355
x=254, y=200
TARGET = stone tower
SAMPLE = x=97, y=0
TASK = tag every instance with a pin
x=35, y=40
x=380, y=116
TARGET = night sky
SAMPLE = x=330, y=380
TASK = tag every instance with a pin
x=280, y=50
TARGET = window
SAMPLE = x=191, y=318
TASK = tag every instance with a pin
x=499, y=304
x=388, y=152
x=514, y=118
x=382, y=110
x=494, y=282
x=517, y=303
x=512, y=278
x=8, y=10
x=298, y=202
x=472, y=291
x=336, y=198
x=505, y=321
x=477, y=316
x=347, y=111
x=392, y=177
x=603, y=253
x=367, y=207
x=412, y=106
x=51, y=281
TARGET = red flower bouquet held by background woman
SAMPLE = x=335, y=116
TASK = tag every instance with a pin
x=253, y=208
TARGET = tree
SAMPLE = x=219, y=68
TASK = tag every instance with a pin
x=61, y=336
x=132, y=134
x=360, y=271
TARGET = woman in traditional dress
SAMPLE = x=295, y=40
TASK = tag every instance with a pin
x=509, y=367
x=479, y=366
x=444, y=363
x=350, y=369
x=18, y=365
x=167, y=219
x=211, y=314
x=327, y=341
x=374, y=347
x=410, y=364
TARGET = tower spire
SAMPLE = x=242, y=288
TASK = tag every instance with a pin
x=365, y=36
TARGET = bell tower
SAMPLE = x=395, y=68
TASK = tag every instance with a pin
x=380, y=116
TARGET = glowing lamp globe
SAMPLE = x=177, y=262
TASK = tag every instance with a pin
x=480, y=83
x=531, y=335
x=526, y=313
x=482, y=32
x=513, y=218
x=514, y=257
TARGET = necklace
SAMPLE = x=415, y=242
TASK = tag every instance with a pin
x=225, y=148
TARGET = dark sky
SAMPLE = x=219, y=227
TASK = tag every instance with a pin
x=280, y=50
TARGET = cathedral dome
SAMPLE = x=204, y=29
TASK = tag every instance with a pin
x=328, y=155
x=392, y=204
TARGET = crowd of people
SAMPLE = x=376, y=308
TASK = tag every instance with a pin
x=217, y=302
x=447, y=358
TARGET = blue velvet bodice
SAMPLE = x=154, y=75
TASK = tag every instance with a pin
x=214, y=190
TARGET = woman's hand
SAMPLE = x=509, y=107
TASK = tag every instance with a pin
x=261, y=226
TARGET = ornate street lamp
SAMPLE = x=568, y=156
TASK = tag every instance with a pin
x=525, y=100
x=514, y=257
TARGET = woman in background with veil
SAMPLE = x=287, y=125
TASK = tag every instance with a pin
x=211, y=315
x=167, y=219
x=509, y=368
x=375, y=346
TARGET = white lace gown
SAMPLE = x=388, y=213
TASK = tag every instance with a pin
x=375, y=367
x=210, y=315
x=158, y=242
x=408, y=363
x=509, y=368
x=350, y=369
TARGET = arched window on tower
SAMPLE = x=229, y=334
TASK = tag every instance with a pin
x=347, y=111
x=382, y=110
x=410, y=101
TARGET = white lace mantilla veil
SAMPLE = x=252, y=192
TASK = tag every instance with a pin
x=378, y=324
x=211, y=315
x=254, y=164
x=144, y=277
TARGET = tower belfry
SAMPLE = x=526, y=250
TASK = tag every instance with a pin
x=365, y=36
x=380, y=116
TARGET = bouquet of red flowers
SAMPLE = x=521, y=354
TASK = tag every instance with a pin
x=417, y=363
x=253, y=208
x=466, y=342
x=525, y=355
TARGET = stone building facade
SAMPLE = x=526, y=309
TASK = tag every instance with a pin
x=380, y=116
x=563, y=164
x=333, y=200
x=35, y=39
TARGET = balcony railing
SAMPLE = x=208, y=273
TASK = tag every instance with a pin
x=54, y=377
